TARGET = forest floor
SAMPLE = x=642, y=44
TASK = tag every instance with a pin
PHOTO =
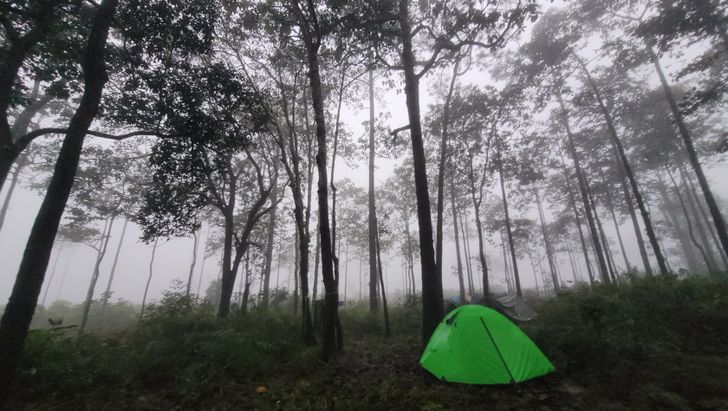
x=652, y=344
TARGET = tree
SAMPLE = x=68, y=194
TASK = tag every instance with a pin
x=23, y=299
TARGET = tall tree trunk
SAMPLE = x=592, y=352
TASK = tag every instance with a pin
x=603, y=235
x=466, y=251
x=19, y=165
x=246, y=280
x=331, y=300
x=149, y=278
x=24, y=297
x=628, y=171
x=577, y=219
x=506, y=268
x=270, y=238
x=346, y=270
x=461, y=282
x=583, y=190
x=103, y=245
x=481, y=255
x=432, y=304
x=229, y=269
x=194, y=260
x=510, y=231
x=107, y=292
x=202, y=266
x=627, y=265
x=707, y=258
x=317, y=258
x=720, y=226
x=701, y=217
x=53, y=272
x=673, y=223
x=633, y=217
x=547, y=241
x=373, y=303
x=387, y=329
x=441, y=168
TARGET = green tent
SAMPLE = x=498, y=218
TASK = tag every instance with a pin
x=477, y=345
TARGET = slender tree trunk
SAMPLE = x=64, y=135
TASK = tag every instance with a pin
x=628, y=171
x=707, y=258
x=246, y=280
x=720, y=226
x=346, y=270
x=577, y=219
x=441, y=169
x=481, y=254
x=296, y=274
x=373, y=303
x=387, y=329
x=701, y=220
x=432, y=304
x=692, y=192
x=510, y=231
x=627, y=265
x=11, y=189
x=603, y=235
x=229, y=272
x=24, y=297
x=204, y=259
x=53, y=272
x=192, y=265
x=461, y=282
x=103, y=245
x=673, y=222
x=468, y=255
x=270, y=235
x=316, y=265
x=506, y=268
x=584, y=196
x=633, y=217
x=107, y=292
x=149, y=279
x=547, y=241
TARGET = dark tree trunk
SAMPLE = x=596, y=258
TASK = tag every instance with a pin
x=628, y=171
x=701, y=218
x=24, y=297
x=317, y=258
x=633, y=217
x=510, y=231
x=331, y=300
x=387, y=329
x=246, y=280
x=720, y=226
x=603, y=235
x=149, y=278
x=373, y=303
x=461, y=282
x=584, y=196
x=103, y=245
x=481, y=254
x=577, y=219
x=432, y=304
x=707, y=257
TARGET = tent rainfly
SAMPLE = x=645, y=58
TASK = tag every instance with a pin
x=477, y=345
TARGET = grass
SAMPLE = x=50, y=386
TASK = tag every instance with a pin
x=656, y=343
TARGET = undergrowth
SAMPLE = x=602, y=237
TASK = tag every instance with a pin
x=656, y=342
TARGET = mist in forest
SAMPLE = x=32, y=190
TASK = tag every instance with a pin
x=345, y=173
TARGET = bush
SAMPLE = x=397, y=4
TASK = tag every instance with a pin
x=668, y=331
